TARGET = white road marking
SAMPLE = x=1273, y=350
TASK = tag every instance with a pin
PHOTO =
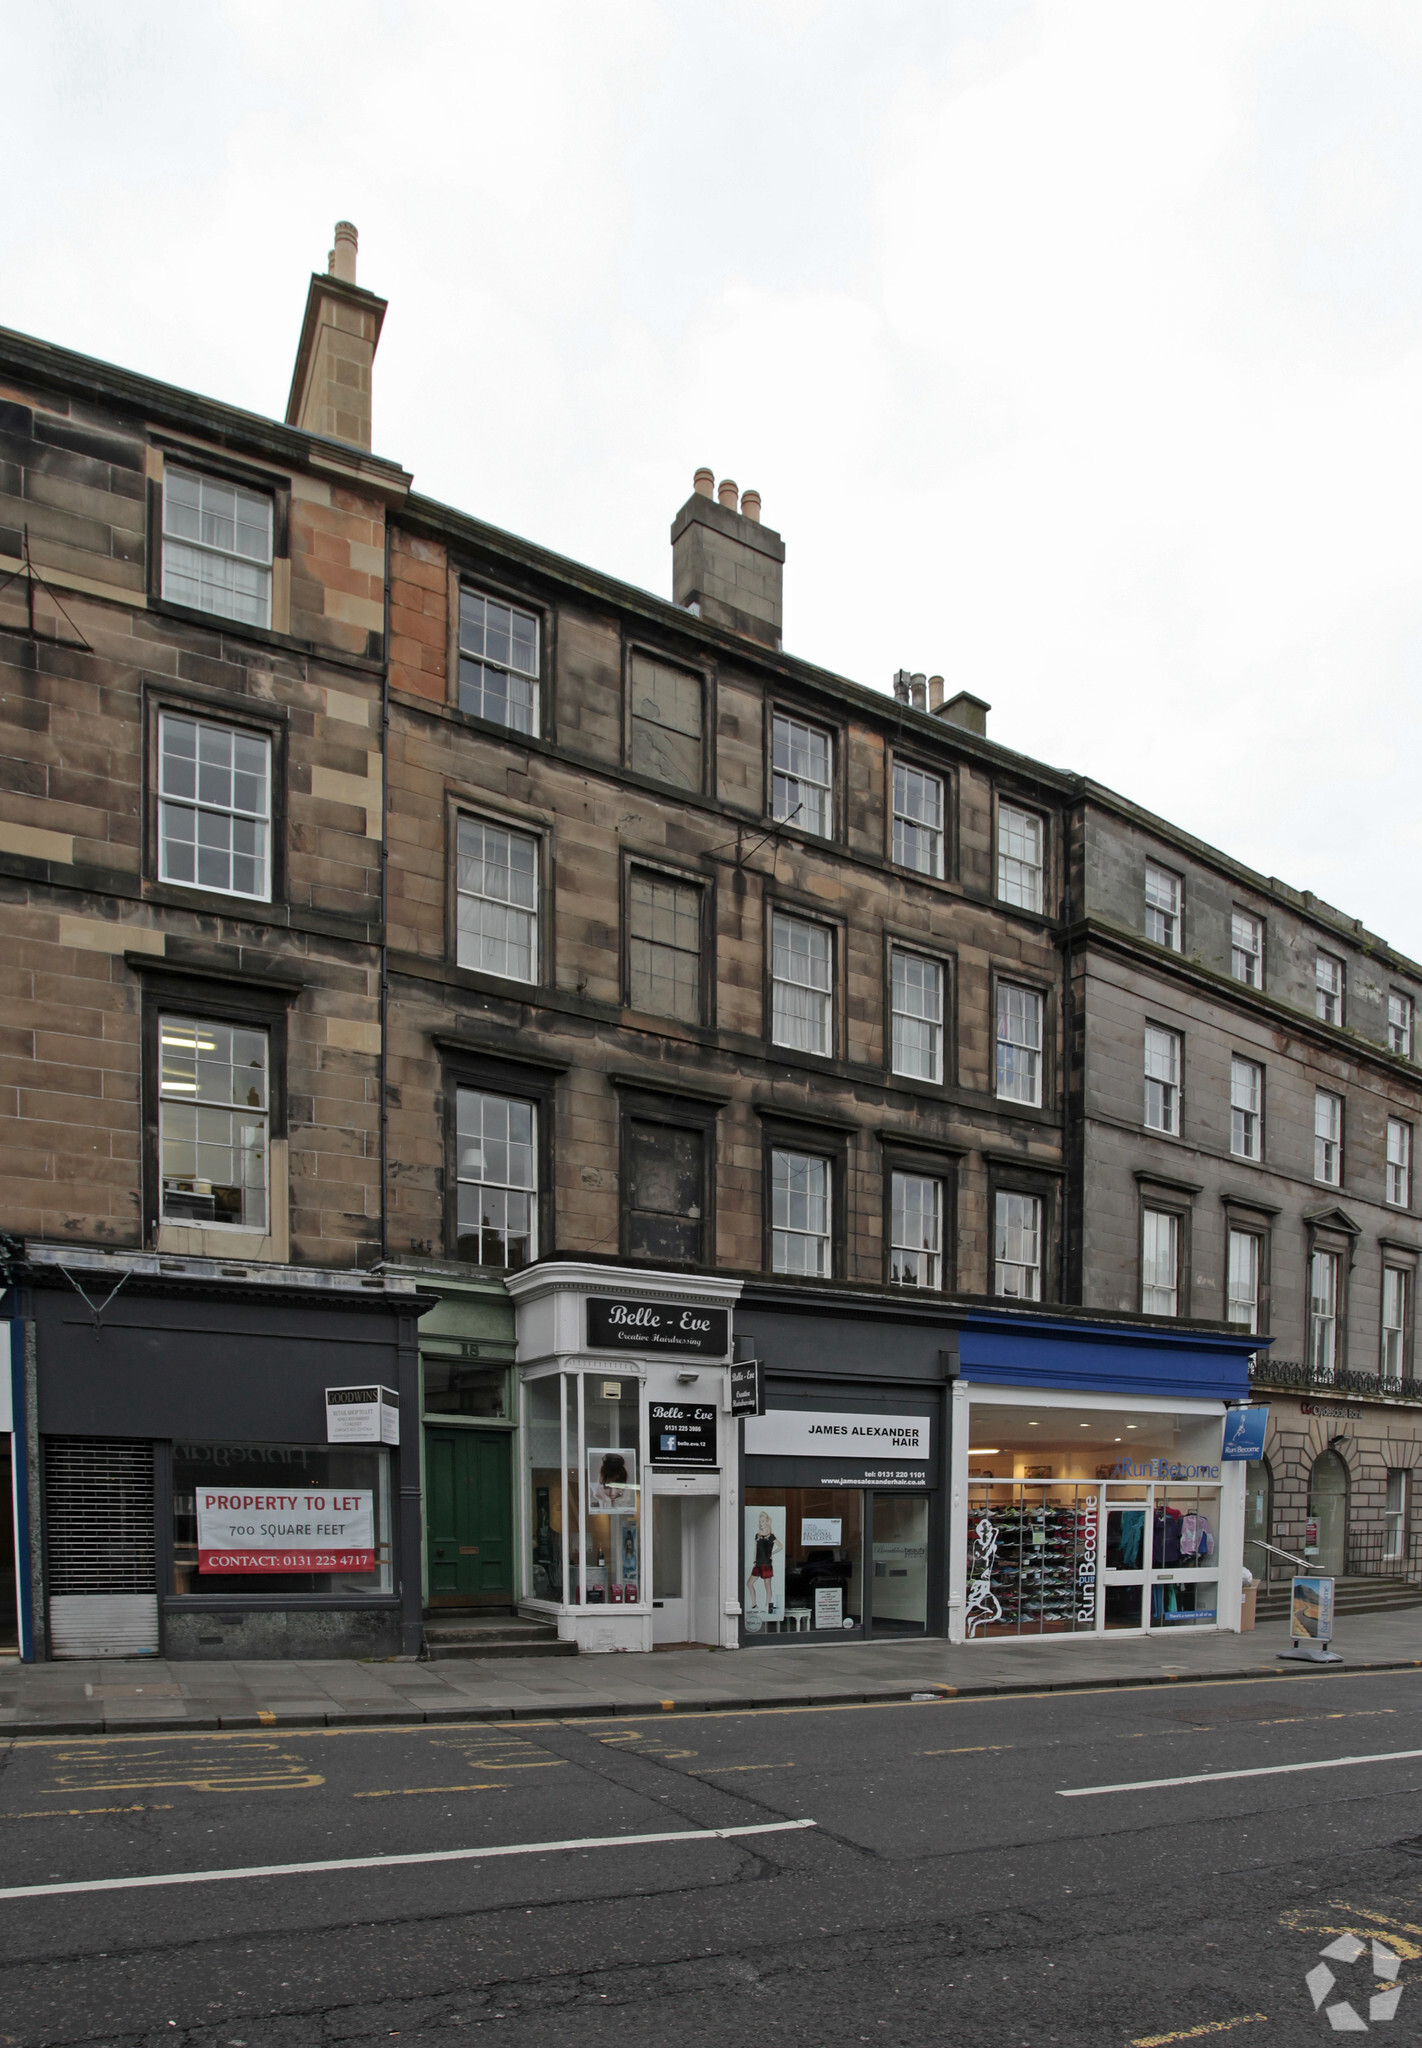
x=124, y=1884
x=1329, y=1763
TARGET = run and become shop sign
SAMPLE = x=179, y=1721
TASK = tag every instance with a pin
x=295, y=1529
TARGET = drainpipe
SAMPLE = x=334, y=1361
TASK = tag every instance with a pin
x=385, y=905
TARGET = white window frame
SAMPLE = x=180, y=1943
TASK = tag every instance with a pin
x=517, y=1151
x=218, y=819
x=175, y=1095
x=520, y=683
x=201, y=557
x=519, y=919
x=1246, y=1108
x=1019, y=876
x=1323, y=1313
x=810, y=978
x=1164, y=907
x=798, y=796
x=1327, y=1138
x=1164, y=1055
x=920, y=806
x=1245, y=1256
x=1017, y=1245
x=1246, y=948
x=924, y=1254
x=1399, y=1163
x=912, y=1010
x=1396, y=1514
x=1396, y=1300
x=817, y=1264
x=1400, y=1020
x=1328, y=987
x=1021, y=1013
x=1160, y=1262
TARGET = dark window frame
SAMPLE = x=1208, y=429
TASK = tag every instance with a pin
x=778, y=902
x=1394, y=1259
x=1162, y=1199
x=1321, y=1235
x=672, y=1112
x=782, y=704
x=705, y=672
x=225, y=469
x=1010, y=1179
x=1025, y=978
x=189, y=992
x=820, y=1140
x=491, y=1073
x=896, y=940
x=1000, y=796
x=461, y=578
x=899, y=751
x=689, y=878
x=215, y=707
x=462, y=803
x=902, y=1153
x=1239, y=1216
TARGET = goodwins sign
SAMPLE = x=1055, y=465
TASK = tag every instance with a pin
x=618, y=1325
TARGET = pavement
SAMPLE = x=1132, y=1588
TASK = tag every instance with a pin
x=95, y=1696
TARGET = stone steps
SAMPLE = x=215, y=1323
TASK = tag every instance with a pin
x=1350, y=1596
x=456, y=1634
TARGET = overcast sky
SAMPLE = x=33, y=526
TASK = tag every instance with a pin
x=1074, y=349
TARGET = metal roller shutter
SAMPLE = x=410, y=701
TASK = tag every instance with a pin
x=99, y=1515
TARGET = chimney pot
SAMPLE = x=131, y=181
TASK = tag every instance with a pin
x=728, y=494
x=705, y=483
x=902, y=679
x=935, y=693
x=919, y=686
x=750, y=505
x=343, y=256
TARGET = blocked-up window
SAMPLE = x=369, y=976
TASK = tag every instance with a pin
x=664, y=945
x=667, y=722
x=665, y=1166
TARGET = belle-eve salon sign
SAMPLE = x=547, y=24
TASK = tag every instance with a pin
x=615, y=1324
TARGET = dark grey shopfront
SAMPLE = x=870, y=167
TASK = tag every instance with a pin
x=844, y=1527
x=186, y=1387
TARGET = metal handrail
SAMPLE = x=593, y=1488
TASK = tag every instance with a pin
x=1275, y=1551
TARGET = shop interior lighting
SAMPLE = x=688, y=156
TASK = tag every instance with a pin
x=984, y=1451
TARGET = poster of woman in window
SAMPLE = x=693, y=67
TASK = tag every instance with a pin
x=612, y=1481
x=765, y=1566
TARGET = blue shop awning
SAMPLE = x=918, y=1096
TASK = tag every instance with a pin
x=1007, y=1348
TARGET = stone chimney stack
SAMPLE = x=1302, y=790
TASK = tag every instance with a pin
x=330, y=386
x=726, y=566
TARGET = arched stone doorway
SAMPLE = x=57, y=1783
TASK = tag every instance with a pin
x=1259, y=1517
x=1328, y=1515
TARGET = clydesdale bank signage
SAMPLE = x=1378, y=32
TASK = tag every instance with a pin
x=618, y=1325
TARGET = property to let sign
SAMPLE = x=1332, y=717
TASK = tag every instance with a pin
x=330, y=1529
x=618, y=1325
x=362, y=1415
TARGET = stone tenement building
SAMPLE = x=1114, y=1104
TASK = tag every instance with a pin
x=422, y=951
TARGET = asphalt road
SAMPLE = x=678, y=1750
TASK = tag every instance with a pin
x=946, y=1891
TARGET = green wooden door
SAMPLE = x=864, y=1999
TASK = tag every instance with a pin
x=469, y=1524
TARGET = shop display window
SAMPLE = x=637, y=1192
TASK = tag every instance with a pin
x=1032, y=1564
x=586, y=1486
x=804, y=1561
x=279, y=1519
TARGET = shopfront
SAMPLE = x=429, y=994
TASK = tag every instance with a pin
x=1091, y=1490
x=228, y=1459
x=628, y=1469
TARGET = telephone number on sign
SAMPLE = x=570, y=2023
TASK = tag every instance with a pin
x=286, y=1561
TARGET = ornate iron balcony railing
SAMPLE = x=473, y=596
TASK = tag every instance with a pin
x=1282, y=1372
